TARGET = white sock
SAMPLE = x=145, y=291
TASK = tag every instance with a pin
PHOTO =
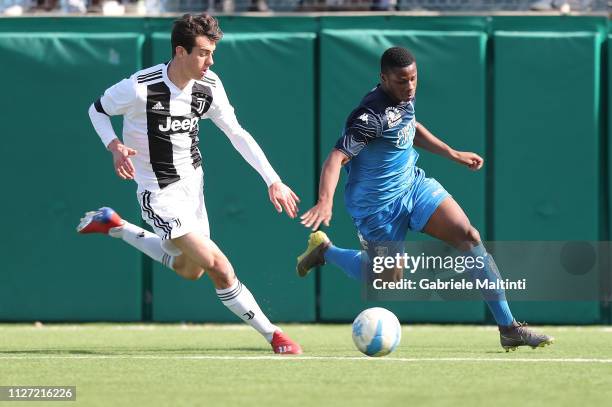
x=241, y=302
x=145, y=241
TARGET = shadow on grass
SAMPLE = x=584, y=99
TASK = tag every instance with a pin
x=48, y=352
x=135, y=352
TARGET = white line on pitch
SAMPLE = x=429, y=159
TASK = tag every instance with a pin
x=305, y=358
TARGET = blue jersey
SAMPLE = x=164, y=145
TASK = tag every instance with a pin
x=378, y=137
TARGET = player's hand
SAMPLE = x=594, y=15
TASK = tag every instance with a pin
x=320, y=213
x=121, y=159
x=281, y=197
x=471, y=160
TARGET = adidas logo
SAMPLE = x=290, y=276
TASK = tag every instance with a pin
x=157, y=106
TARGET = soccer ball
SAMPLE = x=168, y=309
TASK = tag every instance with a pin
x=376, y=332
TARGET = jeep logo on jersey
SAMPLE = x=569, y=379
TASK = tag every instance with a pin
x=179, y=124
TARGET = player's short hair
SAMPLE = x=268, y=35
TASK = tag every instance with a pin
x=187, y=28
x=396, y=57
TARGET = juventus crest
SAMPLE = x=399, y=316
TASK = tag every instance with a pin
x=200, y=101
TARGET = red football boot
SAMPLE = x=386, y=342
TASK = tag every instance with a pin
x=100, y=221
x=283, y=345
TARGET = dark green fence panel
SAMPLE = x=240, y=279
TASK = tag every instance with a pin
x=269, y=80
x=608, y=122
x=546, y=184
x=609, y=125
x=55, y=168
x=450, y=102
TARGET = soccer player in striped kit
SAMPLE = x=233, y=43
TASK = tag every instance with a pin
x=161, y=107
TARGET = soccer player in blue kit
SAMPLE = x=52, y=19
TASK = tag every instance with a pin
x=386, y=194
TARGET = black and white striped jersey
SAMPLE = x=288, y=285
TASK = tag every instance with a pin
x=160, y=121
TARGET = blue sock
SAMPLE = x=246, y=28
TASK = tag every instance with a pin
x=495, y=299
x=346, y=259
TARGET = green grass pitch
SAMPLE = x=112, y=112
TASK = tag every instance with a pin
x=230, y=365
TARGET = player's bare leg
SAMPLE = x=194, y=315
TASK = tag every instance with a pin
x=450, y=224
x=202, y=253
x=187, y=268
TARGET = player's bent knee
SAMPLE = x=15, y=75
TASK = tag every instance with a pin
x=212, y=259
x=191, y=273
x=187, y=270
x=214, y=263
x=195, y=275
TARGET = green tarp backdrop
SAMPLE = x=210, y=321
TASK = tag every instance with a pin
x=546, y=148
x=530, y=94
x=58, y=169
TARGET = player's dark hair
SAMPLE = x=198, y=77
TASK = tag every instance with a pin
x=187, y=28
x=395, y=57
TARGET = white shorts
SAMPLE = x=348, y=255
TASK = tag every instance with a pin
x=176, y=210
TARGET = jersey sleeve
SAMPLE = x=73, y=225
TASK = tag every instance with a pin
x=362, y=127
x=221, y=111
x=117, y=99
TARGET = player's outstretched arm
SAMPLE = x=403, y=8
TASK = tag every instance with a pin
x=330, y=174
x=426, y=140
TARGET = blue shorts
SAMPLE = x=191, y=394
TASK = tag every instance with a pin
x=411, y=211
